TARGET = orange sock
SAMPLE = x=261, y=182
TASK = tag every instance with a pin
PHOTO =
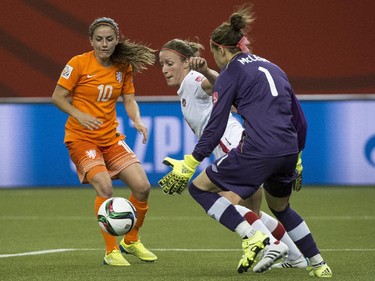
x=141, y=208
x=109, y=240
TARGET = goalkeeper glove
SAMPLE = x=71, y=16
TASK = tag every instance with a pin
x=178, y=178
x=299, y=168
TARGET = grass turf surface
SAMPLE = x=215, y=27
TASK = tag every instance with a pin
x=189, y=245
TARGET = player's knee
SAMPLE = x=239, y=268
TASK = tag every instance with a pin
x=141, y=190
x=105, y=192
x=279, y=209
x=102, y=186
x=194, y=191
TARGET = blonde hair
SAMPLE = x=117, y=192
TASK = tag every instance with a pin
x=229, y=33
x=184, y=48
x=126, y=52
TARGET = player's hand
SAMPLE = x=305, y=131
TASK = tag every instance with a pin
x=198, y=64
x=177, y=180
x=88, y=121
x=142, y=130
x=299, y=168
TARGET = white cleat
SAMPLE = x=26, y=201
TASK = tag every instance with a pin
x=302, y=262
x=273, y=252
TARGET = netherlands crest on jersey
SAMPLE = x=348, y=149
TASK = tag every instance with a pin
x=119, y=76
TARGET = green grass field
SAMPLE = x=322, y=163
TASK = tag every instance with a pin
x=52, y=234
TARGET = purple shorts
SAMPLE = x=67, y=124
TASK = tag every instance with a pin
x=244, y=174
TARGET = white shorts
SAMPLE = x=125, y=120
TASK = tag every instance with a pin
x=231, y=137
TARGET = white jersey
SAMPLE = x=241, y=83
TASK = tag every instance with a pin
x=196, y=106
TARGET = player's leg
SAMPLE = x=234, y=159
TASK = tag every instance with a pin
x=249, y=209
x=254, y=202
x=135, y=177
x=252, y=218
x=102, y=183
x=274, y=229
x=295, y=259
x=277, y=193
x=93, y=171
x=124, y=164
x=221, y=209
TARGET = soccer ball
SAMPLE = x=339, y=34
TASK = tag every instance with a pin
x=117, y=216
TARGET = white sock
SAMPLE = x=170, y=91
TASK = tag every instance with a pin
x=257, y=224
x=244, y=229
x=271, y=223
x=316, y=260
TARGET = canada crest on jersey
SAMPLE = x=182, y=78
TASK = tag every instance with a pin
x=119, y=76
x=199, y=79
x=215, y=97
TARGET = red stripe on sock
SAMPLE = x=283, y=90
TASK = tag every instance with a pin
x=251, y=217
x=279, y=231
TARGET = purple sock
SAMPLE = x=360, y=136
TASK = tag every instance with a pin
x=216, y=206
x=298, y=231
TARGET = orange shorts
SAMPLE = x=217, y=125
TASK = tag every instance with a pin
x=86, y=155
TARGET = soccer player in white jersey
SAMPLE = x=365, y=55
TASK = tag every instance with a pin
x=183, y=68
x=269, y=153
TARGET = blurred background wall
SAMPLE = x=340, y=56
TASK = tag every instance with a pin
x=325, y=46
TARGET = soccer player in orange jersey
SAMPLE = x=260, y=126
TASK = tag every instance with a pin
x=94, y=81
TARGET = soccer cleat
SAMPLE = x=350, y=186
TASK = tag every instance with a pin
x=259, y=256
x=322, y=271
x=137, y=249
x=302, y=262
x=115, y=258
x=274, y=252
x=251, y=248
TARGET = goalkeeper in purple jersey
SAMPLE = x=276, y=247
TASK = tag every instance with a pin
x=274, y=135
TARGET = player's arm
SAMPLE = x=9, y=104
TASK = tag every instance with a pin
x=200, y=64
x=208, y=83
x=60, y=100
x=132, y=110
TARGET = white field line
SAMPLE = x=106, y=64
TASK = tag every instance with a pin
x=171, y=218
x=33, y=253
x=52, y=251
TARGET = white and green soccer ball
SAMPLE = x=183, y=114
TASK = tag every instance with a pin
x=117, y=216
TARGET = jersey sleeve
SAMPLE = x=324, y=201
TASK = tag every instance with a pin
x=128, y=86
x=70, y=75
x=299, y=122
x=199, y=80
x=224, y=91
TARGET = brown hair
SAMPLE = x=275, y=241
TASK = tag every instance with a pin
x=229, y=33
x=184, y=48
x=126, y=52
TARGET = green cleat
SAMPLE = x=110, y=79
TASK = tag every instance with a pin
x=322, y=271
x=137, y=249
x=115, y=258
x=251, y=247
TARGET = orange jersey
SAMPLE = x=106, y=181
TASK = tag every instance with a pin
x=95, y=90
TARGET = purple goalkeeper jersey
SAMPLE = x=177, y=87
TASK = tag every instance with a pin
x=273, y=119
